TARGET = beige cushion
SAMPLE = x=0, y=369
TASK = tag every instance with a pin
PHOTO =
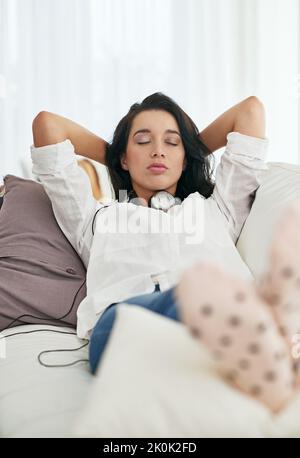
x=279, y=187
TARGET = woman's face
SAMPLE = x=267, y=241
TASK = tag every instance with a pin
x=155, y=154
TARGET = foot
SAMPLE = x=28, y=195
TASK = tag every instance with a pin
x=280, y=286
x=227, y=315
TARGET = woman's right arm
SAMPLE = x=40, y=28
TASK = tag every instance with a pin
x=49, y=128
x=66, y=184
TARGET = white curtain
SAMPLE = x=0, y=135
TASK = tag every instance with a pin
x=91, y=59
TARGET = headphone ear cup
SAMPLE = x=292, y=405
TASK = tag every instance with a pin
x=162, y=200
x=134, y=199
x=131, y=195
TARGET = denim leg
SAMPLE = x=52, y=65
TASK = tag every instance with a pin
x=162, y=303
x=159, y=302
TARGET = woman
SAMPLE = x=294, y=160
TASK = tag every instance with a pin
x=157, y=147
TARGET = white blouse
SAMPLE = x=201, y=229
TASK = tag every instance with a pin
x=125, y=247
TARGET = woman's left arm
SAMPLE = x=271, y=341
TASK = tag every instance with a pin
x=246, y=117
x=240, y=171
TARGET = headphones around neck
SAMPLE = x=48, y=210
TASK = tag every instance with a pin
x=161, y=200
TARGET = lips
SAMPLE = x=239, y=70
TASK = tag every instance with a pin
x=157, y=167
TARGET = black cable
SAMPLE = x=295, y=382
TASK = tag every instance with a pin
x=49, y=330
x=52, y=318
x=52, y=351
x=48, y=316
x=62, y=349
x=102, y=208
x=37, y=330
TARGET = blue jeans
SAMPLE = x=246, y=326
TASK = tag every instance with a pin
x=160, y=302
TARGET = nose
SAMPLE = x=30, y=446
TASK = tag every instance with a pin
x=158, y=153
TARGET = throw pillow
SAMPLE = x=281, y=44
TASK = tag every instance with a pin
x=41, y=275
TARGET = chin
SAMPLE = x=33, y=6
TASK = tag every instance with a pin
x=159, y=188
x=160, y=184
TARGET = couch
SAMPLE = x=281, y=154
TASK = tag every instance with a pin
x=154, y=380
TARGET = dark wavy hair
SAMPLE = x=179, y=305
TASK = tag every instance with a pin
x=198, y=171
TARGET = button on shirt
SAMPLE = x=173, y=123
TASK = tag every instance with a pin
x=124, y=263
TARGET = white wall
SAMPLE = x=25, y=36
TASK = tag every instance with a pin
x=91, y=59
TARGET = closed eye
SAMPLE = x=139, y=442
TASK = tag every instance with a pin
x=145, y=143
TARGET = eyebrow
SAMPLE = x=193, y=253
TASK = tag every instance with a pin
x=170, y=131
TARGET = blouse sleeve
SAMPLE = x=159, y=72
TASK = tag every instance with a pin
x=68, y=187
x=238, y=176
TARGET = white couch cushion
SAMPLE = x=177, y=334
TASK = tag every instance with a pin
x=38, y=401
x=155, y=380
x=280, y=185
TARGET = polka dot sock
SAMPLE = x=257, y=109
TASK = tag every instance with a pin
x=230, y=318
x=280, y=286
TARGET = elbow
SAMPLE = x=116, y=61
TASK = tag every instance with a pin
x=256, y=113
x=251, y=118
x=39, y=129
x=41, y=119
x=45, y=129
x=254, y=105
